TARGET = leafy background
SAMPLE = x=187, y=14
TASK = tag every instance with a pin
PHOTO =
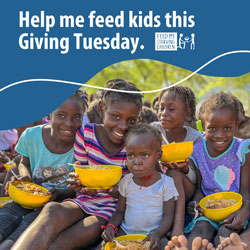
x=152, y=75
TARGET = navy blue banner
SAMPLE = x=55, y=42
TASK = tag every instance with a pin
x=74, y=40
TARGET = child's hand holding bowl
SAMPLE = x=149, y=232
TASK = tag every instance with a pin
x=182, y=166
x=194, y=209
x=18, y=178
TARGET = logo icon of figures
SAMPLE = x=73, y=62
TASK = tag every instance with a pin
x=184, y=40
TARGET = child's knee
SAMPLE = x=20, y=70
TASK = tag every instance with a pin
x=203, y=227
x=52, y=211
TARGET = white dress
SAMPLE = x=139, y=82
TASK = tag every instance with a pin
x=144, y=205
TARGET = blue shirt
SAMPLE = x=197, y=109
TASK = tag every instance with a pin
x=48, y=169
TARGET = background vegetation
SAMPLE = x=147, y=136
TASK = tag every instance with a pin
x=152, y=75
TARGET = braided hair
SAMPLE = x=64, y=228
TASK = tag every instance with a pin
x=82, y=96
x=111, y=97
x=186, y=95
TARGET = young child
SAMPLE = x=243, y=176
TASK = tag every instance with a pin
x=77, y=222
x=49, y=146
x=148, y=115
x=222, y=163
x=177, y=106
x=147, y=197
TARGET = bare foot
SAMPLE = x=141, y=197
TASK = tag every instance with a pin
x=177, y=243
x=232, y=243
x=201, y=244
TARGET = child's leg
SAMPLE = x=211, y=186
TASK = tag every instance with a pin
x=185, y=189
x=201, y=229
x=245, y=237
x=54, y=218
x=10, y=216
x=223, y=232
x=11, y=239
x=84, y=233
x=164, y=242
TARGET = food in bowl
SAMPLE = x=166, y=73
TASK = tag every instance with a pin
x=132, y=245
x=97, y=167
x=28, y=199
x=219, y=203
x=99, y=176
x=128, y=238
x=176, y=152
x=219, y=214
x=32, y=189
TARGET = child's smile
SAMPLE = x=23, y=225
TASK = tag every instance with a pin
x=66, y=120
x=220, y=126
x=117, y=118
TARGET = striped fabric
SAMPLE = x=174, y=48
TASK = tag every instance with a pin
x=89, y=151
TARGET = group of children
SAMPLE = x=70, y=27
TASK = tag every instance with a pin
x=152, y=197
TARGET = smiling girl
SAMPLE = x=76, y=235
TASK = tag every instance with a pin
x=44, y=148
x=77, y=222
x=222, y=163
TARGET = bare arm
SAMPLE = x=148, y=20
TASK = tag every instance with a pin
x=24, y=172
x=24, y=169
x=168, y=218
x=198, y=195
x=116, y=219
x=237, y=220
x=165, y=225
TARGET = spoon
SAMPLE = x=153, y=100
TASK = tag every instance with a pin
x=164, y=138
x=76, y=165
x=9, y=160
x=118, y=244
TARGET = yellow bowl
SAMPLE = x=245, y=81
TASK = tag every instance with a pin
x=109, y=245
x=4, y=200
x=176, y=152
x=25, y=199
x=9, y=165
x=99, y=178
x=221, y=213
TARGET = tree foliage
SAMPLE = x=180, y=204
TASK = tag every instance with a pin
x=153, y=75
